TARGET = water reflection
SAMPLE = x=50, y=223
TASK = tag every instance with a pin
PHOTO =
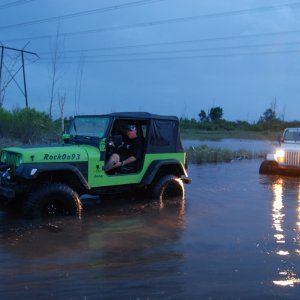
x=298, y=221
x=115, y=247
x=277, y=213
x=282, y=215
x=111, y=227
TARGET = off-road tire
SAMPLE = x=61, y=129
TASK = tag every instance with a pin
x=52, y=200
x=168, y=187
x=268, y=167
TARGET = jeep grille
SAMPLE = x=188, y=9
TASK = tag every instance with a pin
x=292, y=158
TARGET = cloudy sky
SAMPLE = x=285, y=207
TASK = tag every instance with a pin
x=172, y=57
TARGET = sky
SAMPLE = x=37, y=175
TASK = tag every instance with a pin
x=170, y=57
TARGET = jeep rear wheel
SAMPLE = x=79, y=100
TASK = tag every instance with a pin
x=52, y=200
x=168, y=187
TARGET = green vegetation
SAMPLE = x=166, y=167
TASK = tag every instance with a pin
x=23, y=126
x=204, y=154
x=242, y=126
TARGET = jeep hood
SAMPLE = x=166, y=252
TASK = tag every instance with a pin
x=51, y=153
x=290, y=147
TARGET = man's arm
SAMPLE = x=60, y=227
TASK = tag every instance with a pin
x=125, y=162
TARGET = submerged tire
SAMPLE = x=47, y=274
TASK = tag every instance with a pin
x=52, y=200
x=268, y=167
x=168, y=187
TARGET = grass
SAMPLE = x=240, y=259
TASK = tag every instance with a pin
x=204, y=154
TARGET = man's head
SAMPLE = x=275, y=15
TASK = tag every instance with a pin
x=131, y=131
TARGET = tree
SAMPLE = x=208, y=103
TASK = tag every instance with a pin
x=56, y=52
x=270, y=113
x=78, y=82
x=61, y=104
x=203, y=116
x=216, y=113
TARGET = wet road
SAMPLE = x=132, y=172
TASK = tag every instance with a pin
x=236, y=236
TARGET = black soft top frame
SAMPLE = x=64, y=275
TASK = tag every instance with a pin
x=163, y=134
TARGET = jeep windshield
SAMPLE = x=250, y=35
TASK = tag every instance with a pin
x=292, y=135
x=89, y=126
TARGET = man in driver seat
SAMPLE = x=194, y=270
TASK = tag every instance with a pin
x=128, y=155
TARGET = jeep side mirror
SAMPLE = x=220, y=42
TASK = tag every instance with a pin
x=66, y=138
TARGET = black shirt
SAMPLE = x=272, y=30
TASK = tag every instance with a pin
x=131, y=147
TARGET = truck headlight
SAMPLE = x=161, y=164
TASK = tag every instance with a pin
x=279, y=155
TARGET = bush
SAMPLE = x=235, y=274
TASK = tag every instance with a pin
x=28, y=126
x=204, y=154
x=5, y=122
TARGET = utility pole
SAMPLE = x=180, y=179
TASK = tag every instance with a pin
x=24, y=79
x=22, y=52
x=1, y=63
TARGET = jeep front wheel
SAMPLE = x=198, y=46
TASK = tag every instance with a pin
x=168, y=187
x=52, y=200
x=268, y=167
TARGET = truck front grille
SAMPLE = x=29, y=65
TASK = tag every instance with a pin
x=292, y=158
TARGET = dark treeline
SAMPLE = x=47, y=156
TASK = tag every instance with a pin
x=213, y=120
x=270, y=125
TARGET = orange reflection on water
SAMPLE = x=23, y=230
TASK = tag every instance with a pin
x=289, y=278
x=177, y=203
x=277, y=215
x=298, y=221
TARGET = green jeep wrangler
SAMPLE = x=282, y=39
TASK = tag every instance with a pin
x=46, y=180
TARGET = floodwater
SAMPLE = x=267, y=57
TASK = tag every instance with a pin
x=236, y=235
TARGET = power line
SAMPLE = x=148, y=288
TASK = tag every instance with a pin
x=182, y=50
x=81, y=14
x=161, y=22
x=14, y=3
x=182, y=57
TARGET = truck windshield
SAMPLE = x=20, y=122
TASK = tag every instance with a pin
x=292, y=135
x=89, y=126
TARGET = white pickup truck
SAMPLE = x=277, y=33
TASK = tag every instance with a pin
x=286, y=159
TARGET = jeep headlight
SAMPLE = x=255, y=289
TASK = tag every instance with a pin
x=279, y=155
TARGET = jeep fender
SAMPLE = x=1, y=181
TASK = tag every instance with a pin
x=154, y=168
x=33, y=171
